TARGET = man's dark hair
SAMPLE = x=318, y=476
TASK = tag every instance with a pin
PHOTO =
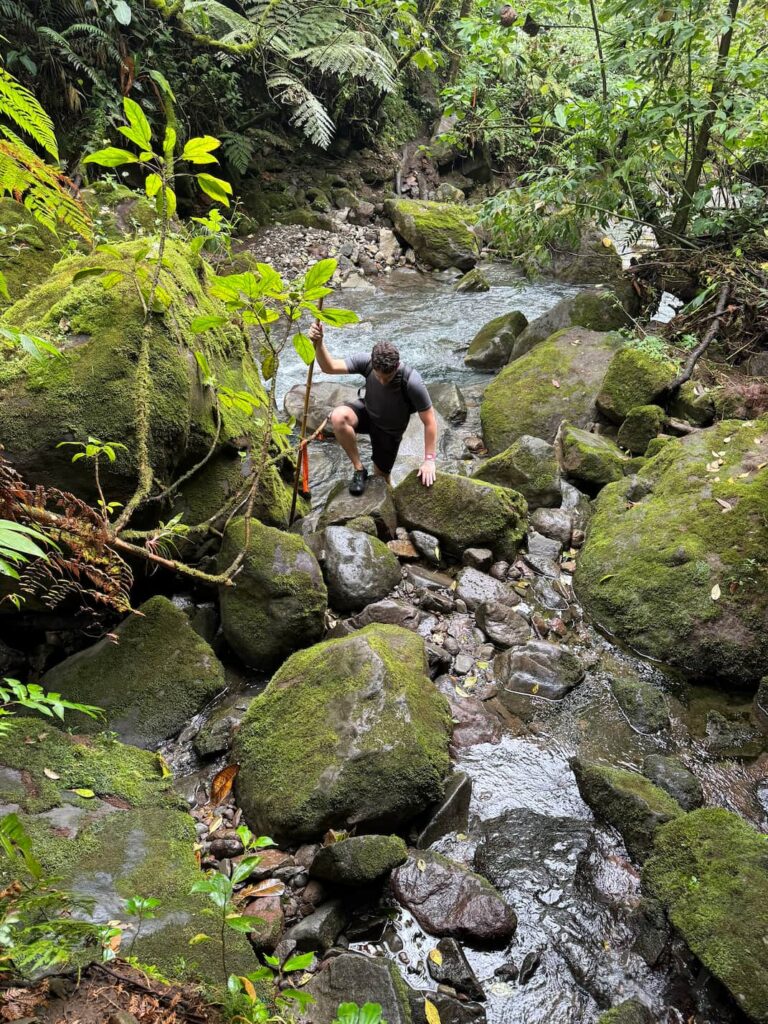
x=385, y=357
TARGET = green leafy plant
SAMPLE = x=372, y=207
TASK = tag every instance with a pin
x=33, y=697
x=143, y=908
x=94, y=449
x=351, y=1013
x=19, y=544
x=279, y=1002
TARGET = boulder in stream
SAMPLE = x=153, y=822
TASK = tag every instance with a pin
x=590, y=460
x=674, y=558
x=358, y=569
x=279, y=598
x=352, y=977
x=359, y=860
x=492, y=346
x=463, y=513
x=341, y=507
x=557, y=380
x=350, y=732
x=709, y=869
x=673, y=777
x=631, y=1011
x=529, y=466
x=538, y=668
x=597, y=309
x=439, y=233
x=151, y=681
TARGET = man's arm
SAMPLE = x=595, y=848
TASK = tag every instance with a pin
x=325, y=360
x=427, y=471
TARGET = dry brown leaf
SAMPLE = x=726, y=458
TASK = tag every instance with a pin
x=555, y=383
x=267, y=887
x=221, y=786
x=726, y=506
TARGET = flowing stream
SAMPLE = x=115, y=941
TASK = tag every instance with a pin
x=578, y=900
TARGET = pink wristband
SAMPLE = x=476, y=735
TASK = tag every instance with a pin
x=430, y=457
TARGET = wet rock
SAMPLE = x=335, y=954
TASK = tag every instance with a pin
x=280, y=599
x=427, y=579
x=529, y=966
x=650, y=564
x=450, y=1010
x=523, y=400
x=438, y=232
x=269, y=925
x=376, y=501
x=359, y=860
x=597, y=309
x=324, y=397
x=631, y=1011
x=216, y=735
x=473, y=281
x=473, y=723
x=439, y=658
x=350, y=732
x=463, y=664
x=555, y=523
x=363, y=524
x=478, y=558
x=150, y=682
x=463, y=513
x=548, y=594
x=538, y=668
x=642, y=424
x=451, y=814
x=529, y=466
x=448, y=899
x=427, y=545
x=633, y=378
x=320, y=929
x=733, y=734
x=543, y=547
x=642, y=703
x=403, y=549
x=358, y=569
x=435, y=601
x=708, y=869
x=507, y=972
x=271, y=861
x=499, y=570
x=503, y=626
x=474, y=588
x=626, y=800
x=760, y=704
x=674, y=778
x=492, y=346
x=451, y=967
x=449, y=401
x=651, y=927
x=353, y=977
x=390, y=611
x=591, y=460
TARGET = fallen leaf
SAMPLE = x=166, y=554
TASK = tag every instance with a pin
x=555, y=383
x=568, y=566
x=421, y=865
x=86, y=794
x=535, y=688
x=727, y=440
x=221, y=786
x=431, y=1012
x=607, y=242
x=470, y=682
x=726, y=506
x=49, y=774
x=435, y=956
x=715, y=592
x=249, y=989
x=482, y=664
x=165, y=771
x=461, y=693
x=461, y=836
x=216, y=824
x=197, y=939
x=608, y=576
x=268, y=887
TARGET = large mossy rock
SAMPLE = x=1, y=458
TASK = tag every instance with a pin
x=358, y=569
x=597, y=309
x=93, y=391
x=463, y=513
x=590, y=460
x=341, y=507
x=709, y=869
x=631, y=1011
x=348, y=733
x=633, y=378
x=492, y=346
x=278, y=602
x=557, y=380
x=528, y=466
x=151, y=680
x=131, y=838
x=439, y=233
x=360, y=979
x=626, y=800
x=641, y=425
x=676, y=574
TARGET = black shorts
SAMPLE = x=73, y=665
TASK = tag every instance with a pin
x=384, y=445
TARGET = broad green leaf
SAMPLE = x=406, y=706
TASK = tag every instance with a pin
x=304, y=347
x=197, y=939
x=111, y=157
x=86, y=794
x=216, y=188
x=82, y=275
x=270, y=280
x=138, y=121
x=320, y=273
x=11, y=541
x=205, y=323
x=121, y=12
x=198, y=150
x=337, y=317
x=162, y=81
x=153, y=184
x=298, y=963
x=111, y=279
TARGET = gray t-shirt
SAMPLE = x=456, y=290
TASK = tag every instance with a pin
x=386, y=404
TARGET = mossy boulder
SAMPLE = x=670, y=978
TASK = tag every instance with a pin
x=642, y=425
x=528, y=466
x=557, y=380
x=131, y=838
x=694, y=403
x=439, y=233
x=463, y=513
x=631, y=1011
x=628, y=801
x=473, y=281
x=341, y=507
x=709, y=869
x=492, y=346
x=348, y=733
x=590, y=460
x=633, y=378
x=151, y=680
x=641, y=701
x=597, y=309
x=591, y=259
x=27, y=250
x=359, y=860
x=93, y=390
x=676, y=574
x=279, y=598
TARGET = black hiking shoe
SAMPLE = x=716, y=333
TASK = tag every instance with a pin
x=358, y=481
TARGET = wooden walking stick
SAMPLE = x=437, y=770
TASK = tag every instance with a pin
x=303, y=434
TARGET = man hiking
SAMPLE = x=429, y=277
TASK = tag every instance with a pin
x=393, y=392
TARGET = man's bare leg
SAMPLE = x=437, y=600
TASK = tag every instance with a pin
x=344, y=421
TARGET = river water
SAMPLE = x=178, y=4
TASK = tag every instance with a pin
x=577, y=900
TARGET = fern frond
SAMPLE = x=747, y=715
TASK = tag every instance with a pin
x=348, y=55
x=68, y=54
x=238, y=150
x=309, y=115
x=20, y=106
x=212, y=17
x=12, y=13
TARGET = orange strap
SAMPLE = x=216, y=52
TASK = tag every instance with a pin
x=305, y=468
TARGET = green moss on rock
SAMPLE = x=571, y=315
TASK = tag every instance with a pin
x=463, y=512
x=27, y=249
x=592, y=460
x=657, y=545
x=528, y=466
x=709, y=869
x=439, y=233
x=633, y=378
x=695, y=404
x=557, y=380
x=150, y=682
x=359, y=860
x=279, y=599
x=631, y=1011
x=597, y=309
x=349, y=732
x=640, y=427
x=626, y=800
x=492, y=346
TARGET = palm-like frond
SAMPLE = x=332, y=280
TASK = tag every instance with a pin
x=348, y=55
x=308, y=113
x=20, y=106
x=212, y=17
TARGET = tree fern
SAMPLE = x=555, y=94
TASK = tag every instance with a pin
x=238, y=150
x=348, y=56
x=308, y=113
x=20, y=106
